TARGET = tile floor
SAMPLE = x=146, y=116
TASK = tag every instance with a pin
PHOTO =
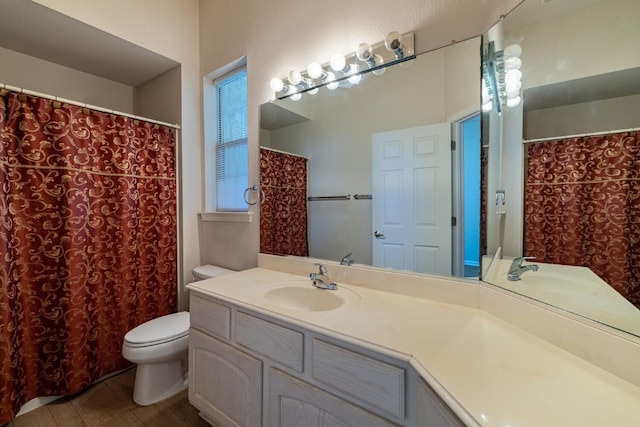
x=109, y=403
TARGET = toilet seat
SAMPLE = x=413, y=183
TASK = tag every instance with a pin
x=159, y=330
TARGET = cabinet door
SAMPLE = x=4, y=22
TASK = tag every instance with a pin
x=431, y=411
x=224, y=383
x=293, y=403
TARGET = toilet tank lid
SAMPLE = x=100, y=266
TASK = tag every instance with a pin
x=160, y=329
x=208, y=271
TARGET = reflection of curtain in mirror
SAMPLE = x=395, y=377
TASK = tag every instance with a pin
x=582, y=206
x=283, y=213
x=87, y=243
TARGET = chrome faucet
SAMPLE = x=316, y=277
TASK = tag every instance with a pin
x=516, y=269
x=321, y=280
x=347, y=260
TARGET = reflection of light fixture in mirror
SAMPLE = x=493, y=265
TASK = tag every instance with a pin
x=296, y=97
x=313, y=91
x=379, y=62
x=347, y=67
x=393, y=43
x=501, y=77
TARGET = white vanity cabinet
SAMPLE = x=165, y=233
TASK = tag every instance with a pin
x=249, y=369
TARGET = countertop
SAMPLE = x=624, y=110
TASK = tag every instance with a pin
x=482, y=366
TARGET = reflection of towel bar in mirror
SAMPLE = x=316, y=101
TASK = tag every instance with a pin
x=347, y=197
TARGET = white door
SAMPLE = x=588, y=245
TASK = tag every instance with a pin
x=412, y=199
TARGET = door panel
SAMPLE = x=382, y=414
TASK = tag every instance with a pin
x=411, y=204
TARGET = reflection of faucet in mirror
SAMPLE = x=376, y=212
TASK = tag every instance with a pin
x=321, y=279
x=516, y=269
x=347, y=260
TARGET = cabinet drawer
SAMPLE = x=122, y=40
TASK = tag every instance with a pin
x=210, y=317
x=377, y=384
x=268, y=339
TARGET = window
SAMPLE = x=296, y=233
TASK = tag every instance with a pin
x=231, y=156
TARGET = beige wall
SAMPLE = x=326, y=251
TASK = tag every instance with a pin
x=595, y=40
x=280, y=35
x=35, y=74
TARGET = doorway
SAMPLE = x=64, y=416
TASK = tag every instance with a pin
x=466, y=196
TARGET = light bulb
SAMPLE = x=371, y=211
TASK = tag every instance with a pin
x=313, y=91
x=513, y=102
x=296, y=97
x=513, y=85
x=333, y=85
x=355, y=79
x=294, y=77
x=364, y=53
x=513, y=63
x=379, y=61
x=393, y=43
x=338, y=62
x=485, y=93
x=513, y=50
x=512, y=76
x=315, y=70
x=276, y=84
x=488, y=106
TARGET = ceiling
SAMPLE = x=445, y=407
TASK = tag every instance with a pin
x=35, y=30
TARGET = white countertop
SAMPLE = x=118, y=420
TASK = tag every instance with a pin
x=499, y=374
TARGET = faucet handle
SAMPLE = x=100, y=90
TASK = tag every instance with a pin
x=322, y=269
x=346, y=260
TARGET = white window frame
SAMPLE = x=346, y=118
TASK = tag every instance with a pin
x=211, y=213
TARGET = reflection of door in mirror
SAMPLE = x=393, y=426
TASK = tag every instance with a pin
x=581, y=93
x=411, y=207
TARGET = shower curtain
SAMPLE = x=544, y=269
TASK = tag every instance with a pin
x=582, y=206
x=283, y=213
x=87, y=242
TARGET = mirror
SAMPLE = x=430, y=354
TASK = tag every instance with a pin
x=579, y=117
x=336, y=130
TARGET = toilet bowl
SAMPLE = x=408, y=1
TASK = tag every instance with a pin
x=160, y=347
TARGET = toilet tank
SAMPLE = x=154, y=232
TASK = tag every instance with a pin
x=209, y=271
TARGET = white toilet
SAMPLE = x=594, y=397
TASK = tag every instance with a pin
x=159, y=348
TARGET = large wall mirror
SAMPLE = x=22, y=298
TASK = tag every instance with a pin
x=567, y=160
x=382, y=182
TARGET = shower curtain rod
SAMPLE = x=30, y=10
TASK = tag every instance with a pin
x=283, y=152
x=84, y=105
x=529, y=141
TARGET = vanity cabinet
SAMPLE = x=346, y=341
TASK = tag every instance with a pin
x=224, y=382
x=250, y=369
x=295, y=403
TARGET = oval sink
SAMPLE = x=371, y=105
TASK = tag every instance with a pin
x=304, y=298
x=557, y=283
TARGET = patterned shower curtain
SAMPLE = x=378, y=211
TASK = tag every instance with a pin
x=582, y=206
x=87, y=242
x=283, y=213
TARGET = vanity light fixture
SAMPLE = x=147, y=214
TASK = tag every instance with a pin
x=501, y=77
x=349, y=68
x=393, y=43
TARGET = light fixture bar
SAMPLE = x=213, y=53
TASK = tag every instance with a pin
x=394, y=49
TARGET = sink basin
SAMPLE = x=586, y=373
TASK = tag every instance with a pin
x=545, y=281
x=305, y=298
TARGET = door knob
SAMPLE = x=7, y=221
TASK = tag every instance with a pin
x=378, y=234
